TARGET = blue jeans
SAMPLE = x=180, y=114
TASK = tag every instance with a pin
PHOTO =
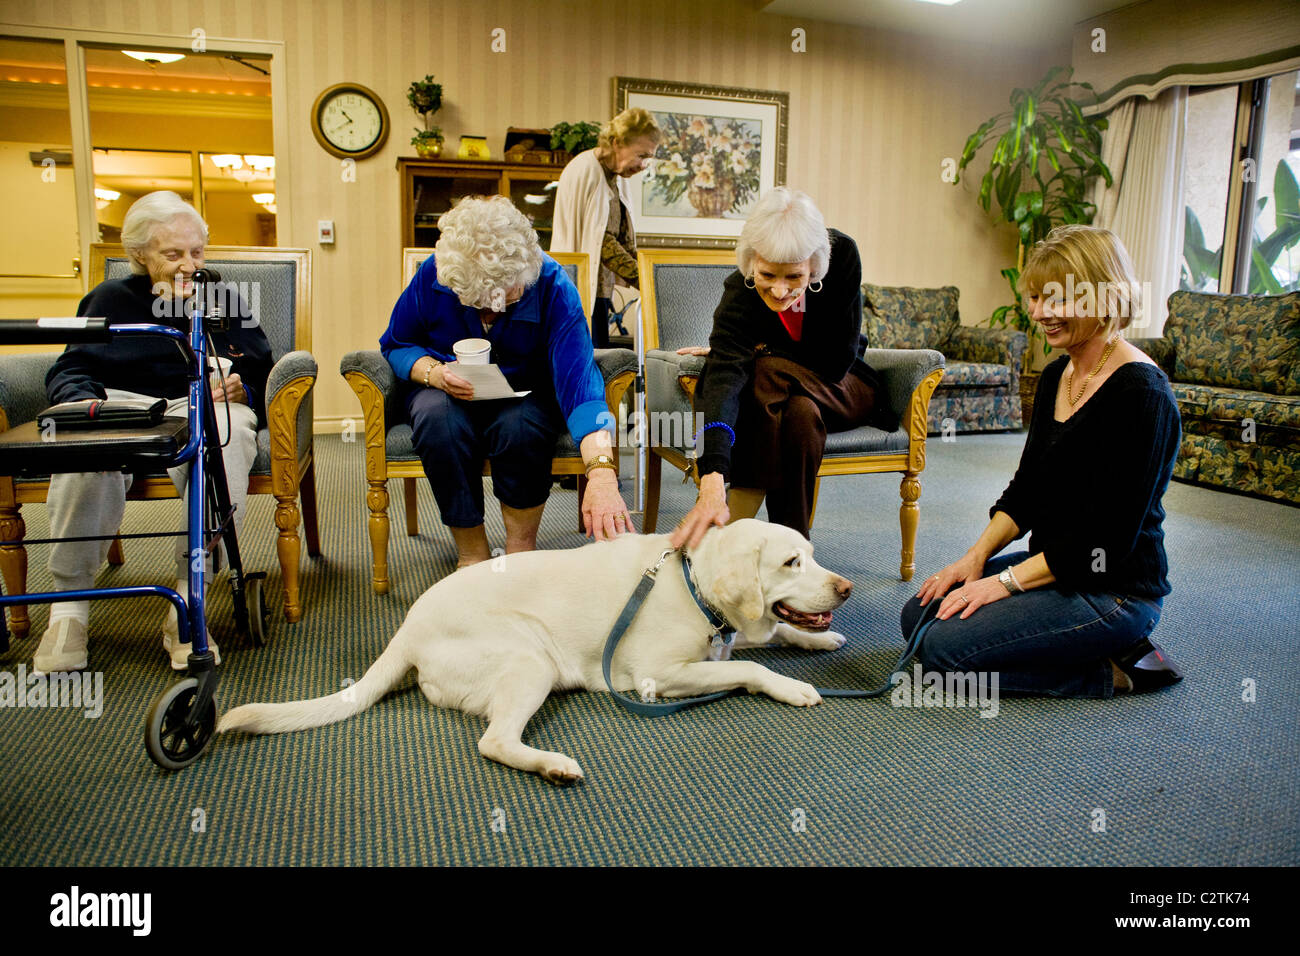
x=452, y=437
x=1047, y=641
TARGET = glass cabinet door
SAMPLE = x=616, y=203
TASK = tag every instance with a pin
x=433, y=193
x=534, y=196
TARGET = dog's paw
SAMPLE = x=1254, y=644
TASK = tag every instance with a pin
x=561, y=770
x=797, y=693
x=826, y=641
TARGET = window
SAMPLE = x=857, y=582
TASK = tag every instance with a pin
x=1241, y=201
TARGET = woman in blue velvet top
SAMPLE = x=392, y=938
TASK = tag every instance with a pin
x=488, y=279
x=1072, y=617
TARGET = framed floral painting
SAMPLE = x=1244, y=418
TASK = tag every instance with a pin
x=722, y=148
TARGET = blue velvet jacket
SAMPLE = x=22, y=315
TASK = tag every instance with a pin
x=540, y=342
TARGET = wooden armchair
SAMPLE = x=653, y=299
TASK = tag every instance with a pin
x=680, y=289
x=390, y=452
x=284, y=466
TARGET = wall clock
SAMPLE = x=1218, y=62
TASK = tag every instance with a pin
x=349, y=120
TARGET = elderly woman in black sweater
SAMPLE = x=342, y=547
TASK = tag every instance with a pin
x=1072, y=617
x=782, y=369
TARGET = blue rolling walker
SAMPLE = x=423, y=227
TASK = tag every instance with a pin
x=183, y=717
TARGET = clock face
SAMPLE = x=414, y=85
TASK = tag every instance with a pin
x=349, y=120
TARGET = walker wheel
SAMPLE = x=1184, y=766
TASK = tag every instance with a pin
x=258, y=618
x=170, y=743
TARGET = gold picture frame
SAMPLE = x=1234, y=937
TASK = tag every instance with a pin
x=724, y=147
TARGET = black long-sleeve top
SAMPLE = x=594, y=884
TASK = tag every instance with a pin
x=1089, y=488
x=152, y=364
x=828, y=345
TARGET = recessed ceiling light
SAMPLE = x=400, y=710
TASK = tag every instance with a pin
x=946, y=3
x=153, y=56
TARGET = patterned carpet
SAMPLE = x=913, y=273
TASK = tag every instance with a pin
x=1190, y=776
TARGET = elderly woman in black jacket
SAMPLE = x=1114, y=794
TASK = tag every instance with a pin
x=782, y=368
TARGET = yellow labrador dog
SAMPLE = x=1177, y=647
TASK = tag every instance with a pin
x=496, y=638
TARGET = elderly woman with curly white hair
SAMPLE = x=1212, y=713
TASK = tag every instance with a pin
x=488, y=278
x=782, y=368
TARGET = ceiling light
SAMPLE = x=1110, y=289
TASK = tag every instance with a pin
x=224, y=160
x=264, y=199
x=260, y=163
x=105, y=197
x=946, y=3
x=153, y=56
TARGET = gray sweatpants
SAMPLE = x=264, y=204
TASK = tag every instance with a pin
x=92, y=503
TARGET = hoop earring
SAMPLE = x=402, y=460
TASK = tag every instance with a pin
x=815, y=286
x=749, y=282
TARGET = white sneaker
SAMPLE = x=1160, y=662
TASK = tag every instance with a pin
x=179, y=650
x=62, y=647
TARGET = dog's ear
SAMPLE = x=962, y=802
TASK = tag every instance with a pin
x=739, y=586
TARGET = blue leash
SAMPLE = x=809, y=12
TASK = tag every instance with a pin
x=663, y=708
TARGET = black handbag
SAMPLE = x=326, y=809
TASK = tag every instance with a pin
x=104, y=413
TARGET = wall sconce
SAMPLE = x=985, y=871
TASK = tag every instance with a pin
x=105, y=197
x=265, y=199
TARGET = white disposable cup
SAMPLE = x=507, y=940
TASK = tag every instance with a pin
x=473, y=351
x=220, y=370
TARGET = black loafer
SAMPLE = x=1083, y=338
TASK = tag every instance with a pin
x=1148, y=667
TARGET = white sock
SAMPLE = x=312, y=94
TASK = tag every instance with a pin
x=78, y=610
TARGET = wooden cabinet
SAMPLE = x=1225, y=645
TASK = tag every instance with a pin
x=430, y=186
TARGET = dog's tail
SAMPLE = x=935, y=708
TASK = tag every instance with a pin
x=383, y=674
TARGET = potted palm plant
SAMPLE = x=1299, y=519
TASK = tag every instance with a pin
x=1045, y=157
x=425, y=97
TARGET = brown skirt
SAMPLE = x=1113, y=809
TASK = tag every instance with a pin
x=785, y=414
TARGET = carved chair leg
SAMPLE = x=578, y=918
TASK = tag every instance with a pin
x=377, y=502
x=908, y=513
x=115, y=555
x=288, y=547
x=307, y=489
x=653, y=473
x=412, y=492
x=13, y=566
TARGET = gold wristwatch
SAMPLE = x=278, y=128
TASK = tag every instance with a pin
x=601, y=461
x=429, y=371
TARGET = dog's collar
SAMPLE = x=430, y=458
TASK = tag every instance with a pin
x=716, y=619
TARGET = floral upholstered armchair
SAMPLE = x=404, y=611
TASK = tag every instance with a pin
x=1233, y=362
x=980, y=390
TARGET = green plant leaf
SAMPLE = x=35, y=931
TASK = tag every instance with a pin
x=1286, y=193
x=1262, y=280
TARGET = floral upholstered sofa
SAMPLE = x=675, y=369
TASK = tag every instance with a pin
x=1234, y=364
x=980, y=390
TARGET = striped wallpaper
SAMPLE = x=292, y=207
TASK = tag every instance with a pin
x=872, y=116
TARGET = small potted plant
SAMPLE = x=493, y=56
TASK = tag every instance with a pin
x=569, y=139
x=427, y=142
x=425, y=97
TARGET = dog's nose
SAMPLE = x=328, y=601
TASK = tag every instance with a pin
x=843, y=587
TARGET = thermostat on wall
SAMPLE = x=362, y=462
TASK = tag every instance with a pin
x=325, y=231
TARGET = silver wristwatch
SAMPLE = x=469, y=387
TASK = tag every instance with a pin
x=1008, y=581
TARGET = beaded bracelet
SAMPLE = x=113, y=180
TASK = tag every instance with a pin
x=699, y=437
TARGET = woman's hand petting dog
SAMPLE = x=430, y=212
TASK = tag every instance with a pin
x=710, y=510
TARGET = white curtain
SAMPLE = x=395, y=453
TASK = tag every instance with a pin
x=1144, y=149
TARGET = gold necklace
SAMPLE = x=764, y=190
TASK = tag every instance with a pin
x=1069, y=381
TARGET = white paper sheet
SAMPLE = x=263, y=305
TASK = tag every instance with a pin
x=488, y=381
